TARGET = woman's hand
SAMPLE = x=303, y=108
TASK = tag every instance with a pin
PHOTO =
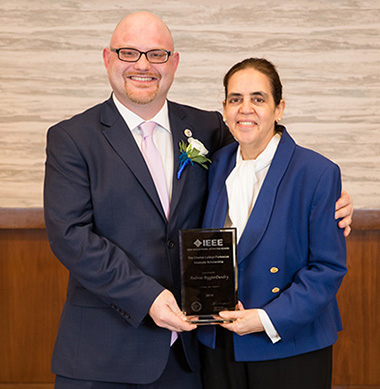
x=245, y=321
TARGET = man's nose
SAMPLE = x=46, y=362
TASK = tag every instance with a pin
x=142, y=63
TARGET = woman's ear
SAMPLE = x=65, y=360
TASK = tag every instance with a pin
x=280, y=110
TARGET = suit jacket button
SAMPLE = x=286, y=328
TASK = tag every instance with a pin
x=171, y=244
x=275, y=290
x=273, y=269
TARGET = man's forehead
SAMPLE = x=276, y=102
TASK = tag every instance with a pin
x=142, y=38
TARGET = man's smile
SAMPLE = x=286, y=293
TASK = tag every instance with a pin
x=142, y=78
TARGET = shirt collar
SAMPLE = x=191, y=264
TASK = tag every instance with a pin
x=133, y=120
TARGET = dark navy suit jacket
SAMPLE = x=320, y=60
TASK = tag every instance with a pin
x=291, y=256
x=105, y=223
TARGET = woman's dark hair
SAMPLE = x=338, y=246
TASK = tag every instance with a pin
x=263, y=66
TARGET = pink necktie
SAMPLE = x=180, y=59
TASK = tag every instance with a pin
x=156, y=168
x=154, y=162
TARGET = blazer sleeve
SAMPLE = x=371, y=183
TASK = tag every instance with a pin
x=316, y=284
x=95, y=262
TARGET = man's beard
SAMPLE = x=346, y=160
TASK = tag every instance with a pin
x=140, y=96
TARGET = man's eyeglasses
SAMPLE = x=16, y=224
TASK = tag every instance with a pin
x=133, y=55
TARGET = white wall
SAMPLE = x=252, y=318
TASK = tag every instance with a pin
x=327, y=53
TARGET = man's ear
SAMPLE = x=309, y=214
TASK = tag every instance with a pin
x=106, y=57
x=176, y=60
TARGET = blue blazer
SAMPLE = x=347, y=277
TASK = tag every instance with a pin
x=291, y=255
x=105, y=223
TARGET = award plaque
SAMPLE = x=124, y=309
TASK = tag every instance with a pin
x=209, y=273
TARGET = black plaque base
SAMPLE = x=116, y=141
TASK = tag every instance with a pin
x=207, y=319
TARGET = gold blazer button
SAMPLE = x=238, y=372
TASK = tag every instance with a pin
x=275, y=290
x=273, y=269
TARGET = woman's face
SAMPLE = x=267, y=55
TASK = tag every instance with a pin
x=250, y=111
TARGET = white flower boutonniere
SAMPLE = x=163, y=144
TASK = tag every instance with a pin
x=192, y=152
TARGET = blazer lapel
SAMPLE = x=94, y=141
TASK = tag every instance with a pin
x=261, y=213
x=218, y=193
x=218, y=217
x=121, y=139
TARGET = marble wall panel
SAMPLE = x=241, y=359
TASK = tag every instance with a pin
x=327, y=53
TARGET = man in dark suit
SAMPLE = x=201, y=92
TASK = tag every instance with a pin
x=109, y=223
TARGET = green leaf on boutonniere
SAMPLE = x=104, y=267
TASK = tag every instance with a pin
x=193, y=152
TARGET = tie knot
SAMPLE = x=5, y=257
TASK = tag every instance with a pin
x=147, y=128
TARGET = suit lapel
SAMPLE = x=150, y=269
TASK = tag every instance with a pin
x=178, y=126
x=121, y=139
x=261, y=213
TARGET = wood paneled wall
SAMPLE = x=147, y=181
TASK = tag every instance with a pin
x=33, y=286
x=32, y=292
x=357, y=352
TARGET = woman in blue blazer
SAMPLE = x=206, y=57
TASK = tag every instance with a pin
x=291, y=253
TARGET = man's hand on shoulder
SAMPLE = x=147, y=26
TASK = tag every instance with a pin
x=344, y=208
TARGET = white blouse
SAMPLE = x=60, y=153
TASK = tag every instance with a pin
x=244, y=184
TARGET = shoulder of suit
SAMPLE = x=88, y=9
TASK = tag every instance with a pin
x=86, y=119
x=305, y=155
x=187, y=108
x=225, y=153
x=312, y=157
x=84, y=115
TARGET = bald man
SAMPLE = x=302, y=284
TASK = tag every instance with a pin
x=114, y=225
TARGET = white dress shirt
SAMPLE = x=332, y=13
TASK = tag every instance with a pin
x=243, y=187
x=162, y=136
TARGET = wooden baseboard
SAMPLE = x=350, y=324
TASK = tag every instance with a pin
x=351, y=387
x=27, y=218
x=26, y=386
